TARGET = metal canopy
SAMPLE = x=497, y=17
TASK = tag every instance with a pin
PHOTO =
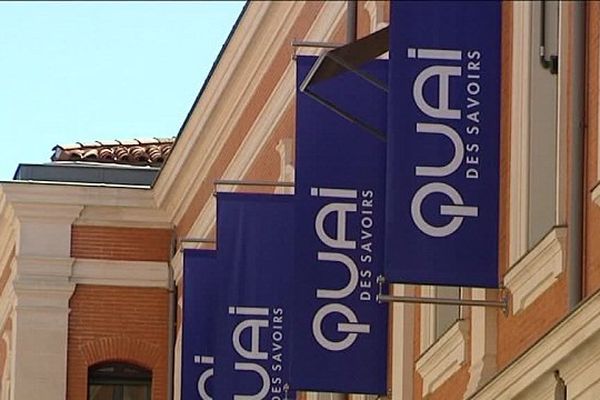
x=349, y=58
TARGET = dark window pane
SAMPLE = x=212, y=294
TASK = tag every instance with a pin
x=136, y=392
x=114, y=381
x=102, y=392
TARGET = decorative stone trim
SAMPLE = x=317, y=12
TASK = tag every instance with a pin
x=402, y=348
x=376, y=10
x=285, y=148
x=42, y=268
x=427, y=319
x=533, y=274
x=121, y=273
x=483, y=342
x=444, y=358
x=596, y=191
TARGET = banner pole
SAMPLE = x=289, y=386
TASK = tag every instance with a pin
x=196, y=240
x=322, y=45
x=286, y=390
x=385, y=298
x=229, y=182
x=181, y=242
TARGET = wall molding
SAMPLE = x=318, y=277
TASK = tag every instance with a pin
x=121, y=273
x=402, y=348
x=484, y=331
x=596, y=190
x=444, y=358
x=537, y=270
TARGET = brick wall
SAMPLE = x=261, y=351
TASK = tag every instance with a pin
x=117, y=243
x=125, y=324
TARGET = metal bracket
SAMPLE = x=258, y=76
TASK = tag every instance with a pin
x=196, y=240
x=230, y=182
x=286, y=389
x=258, y=183
x=193, y=240
x=304, y=88
x=386, y=298
x=320, y=45
x=349, y=58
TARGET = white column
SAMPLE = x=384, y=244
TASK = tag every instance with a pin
x=331, y=396
x=403, y=321
x=177, y=360
x=40, y=333
x=42, y=289
x=483, y=343
x=285, y=148
x=4, y=395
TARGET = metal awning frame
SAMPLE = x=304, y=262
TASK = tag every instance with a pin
x=340, y=57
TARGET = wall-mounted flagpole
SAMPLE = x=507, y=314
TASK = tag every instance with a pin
x=320, y=45
x=196, y=240
x=230, y=182
x=286, y=389
x=181, y=242
x=386, y=298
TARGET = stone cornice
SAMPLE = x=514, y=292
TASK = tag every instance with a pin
x=83, y=204
x=71, y=194
x=444, y=358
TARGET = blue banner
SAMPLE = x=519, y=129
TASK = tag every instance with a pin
x=340, y=331
x=443, y=143
x=200, y=297
x=256, y=252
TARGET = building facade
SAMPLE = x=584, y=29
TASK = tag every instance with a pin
x=91, y=269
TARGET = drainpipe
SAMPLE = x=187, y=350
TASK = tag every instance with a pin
x=575, y=211
x=351, y=21
x=171, y=322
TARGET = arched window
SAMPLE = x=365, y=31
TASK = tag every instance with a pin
x=118, y=381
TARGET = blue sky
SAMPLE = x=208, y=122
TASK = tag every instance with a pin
x=84, y=71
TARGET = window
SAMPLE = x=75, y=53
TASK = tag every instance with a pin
x=538, y=148
x=443, y=339
x=117, y=381
x=437, y=319
x=446, y=316
x=543, y=119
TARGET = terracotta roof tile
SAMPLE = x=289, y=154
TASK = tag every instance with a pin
x=143, y=151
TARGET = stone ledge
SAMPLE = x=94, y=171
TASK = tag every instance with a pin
x=533, y=274
x=444, y=358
